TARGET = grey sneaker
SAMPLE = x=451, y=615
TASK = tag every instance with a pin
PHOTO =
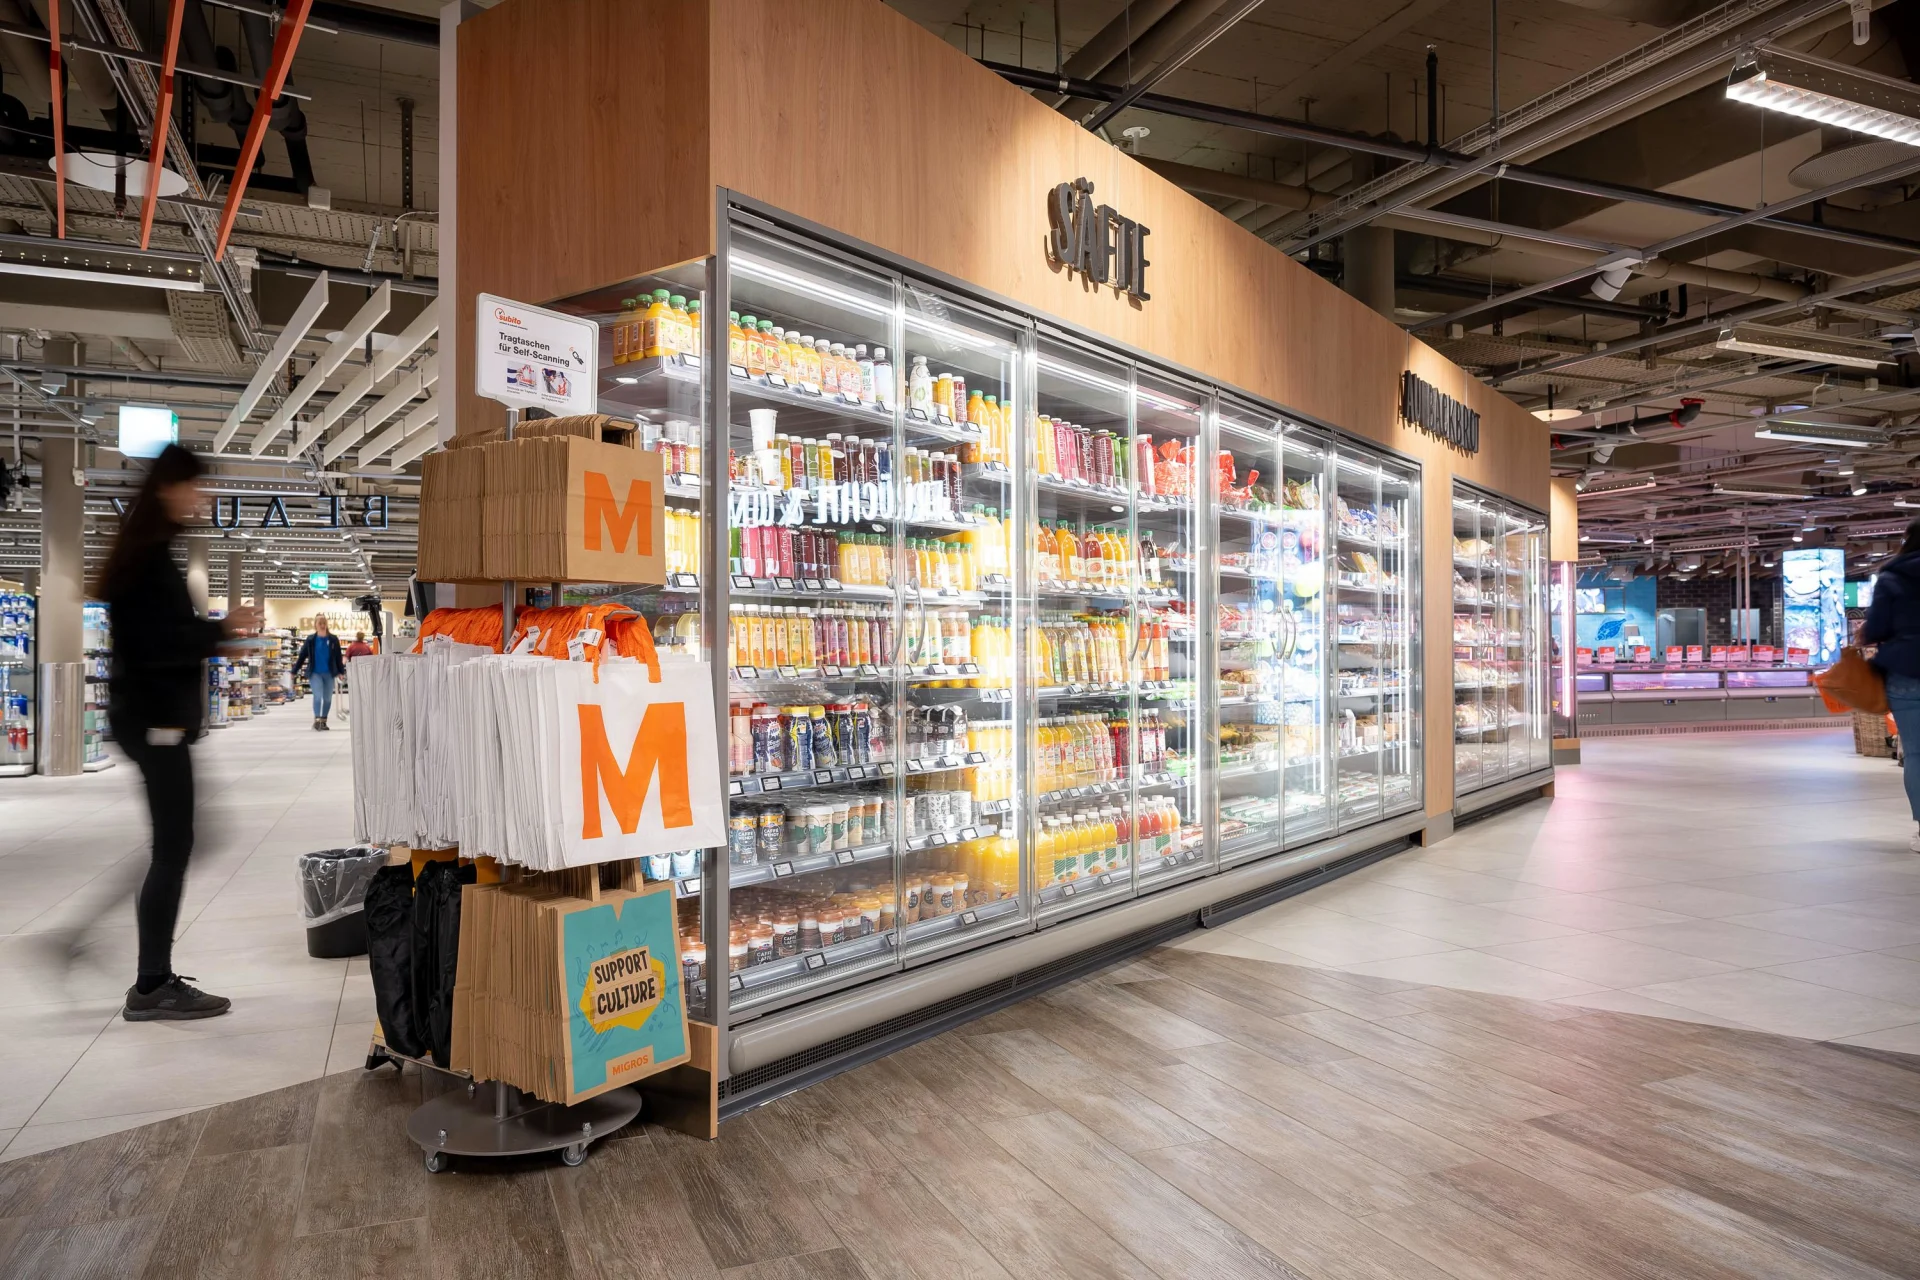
x=173, y=1001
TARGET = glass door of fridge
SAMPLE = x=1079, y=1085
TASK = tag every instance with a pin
x=1166, y=558
x=1504, y=703
x=1397, y=521
x=1473, y=644
x=653, y=375
x=1080, y=629
x=815, y=506
x=1540, y=643
x=1258, y=536
x=1364, y=628
x=962, y=881
x=1308, y=666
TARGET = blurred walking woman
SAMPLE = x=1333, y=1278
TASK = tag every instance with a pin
x=156, y=704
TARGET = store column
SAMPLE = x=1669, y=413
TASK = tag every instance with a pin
x=197, y=572
x=63, y=589
x=236, y=579
x=1368, y=255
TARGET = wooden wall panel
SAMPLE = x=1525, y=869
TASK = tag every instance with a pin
x=847, y=114
x=583, y=152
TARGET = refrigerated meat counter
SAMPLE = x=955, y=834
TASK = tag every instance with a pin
x=1622, y=698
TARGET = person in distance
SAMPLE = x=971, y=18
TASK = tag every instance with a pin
x=359, y=648
x=156, y=705
x=320, y=658
x=1893, y=623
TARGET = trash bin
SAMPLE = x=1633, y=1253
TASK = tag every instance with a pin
x=333, y=895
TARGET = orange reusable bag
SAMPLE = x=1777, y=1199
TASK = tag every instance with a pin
x=1852, y=684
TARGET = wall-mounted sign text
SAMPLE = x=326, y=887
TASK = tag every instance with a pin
x=273, y=513
x=1425, y=406
x=1095, y=241
x=532, y=358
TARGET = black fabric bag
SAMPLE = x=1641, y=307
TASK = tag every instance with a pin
x=436, y=948
x=389, y=913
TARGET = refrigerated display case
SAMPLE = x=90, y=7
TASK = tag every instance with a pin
x=1018, y=627
x=1501, y=700
x=17, y=682
x=96, y=639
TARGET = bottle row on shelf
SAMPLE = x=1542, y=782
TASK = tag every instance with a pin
x=1104, y=460
x=1102, y=840
x=1094, y=748
x=977, y=649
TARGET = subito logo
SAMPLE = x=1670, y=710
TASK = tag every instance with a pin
x=505, y=316
x=659, y=747
x=632, y=520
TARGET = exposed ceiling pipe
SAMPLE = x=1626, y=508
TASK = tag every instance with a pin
x=1133, y=21
x=1629, y=84
x=1859, y=284
x=1149, y=47
x=289, y=121
x=1176, y=55
x=1343, y=141
x=86, y=70
x=1545, y=244
x=1648, y=253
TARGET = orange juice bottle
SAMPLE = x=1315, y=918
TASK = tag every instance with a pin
x=695, y=330
x=657, y=325
x=736, y=340
x=620, y=330
x=769, y=348
x=752, y=354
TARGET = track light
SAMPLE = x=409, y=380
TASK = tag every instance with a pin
x=1766, y=340
x=1618, y=486
x=1828, y=93
x=1805, y=433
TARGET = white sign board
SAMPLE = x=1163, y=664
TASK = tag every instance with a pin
x=533, y=358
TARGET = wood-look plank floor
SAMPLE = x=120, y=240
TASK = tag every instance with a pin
x=1184, y=1115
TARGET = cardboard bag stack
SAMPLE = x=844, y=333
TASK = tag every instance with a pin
x=577, y=990
x=565, y=500
x=452, y=491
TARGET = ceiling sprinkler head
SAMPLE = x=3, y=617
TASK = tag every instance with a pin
x=1133, y=133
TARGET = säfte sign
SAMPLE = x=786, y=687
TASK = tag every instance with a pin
x=1426, y=407
x=1096, y=241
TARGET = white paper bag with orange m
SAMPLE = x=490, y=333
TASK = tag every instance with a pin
x=638, y=759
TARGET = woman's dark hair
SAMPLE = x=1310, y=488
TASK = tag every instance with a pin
x=1912, y=544
x=147, y=523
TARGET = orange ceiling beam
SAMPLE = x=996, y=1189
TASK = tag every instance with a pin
x=162, y=118
x=285, y=40
x=59, y=124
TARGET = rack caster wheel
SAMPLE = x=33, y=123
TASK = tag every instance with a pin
x=574, y=1156
x=436, y=1162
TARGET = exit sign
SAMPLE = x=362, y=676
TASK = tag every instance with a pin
x=317, y=581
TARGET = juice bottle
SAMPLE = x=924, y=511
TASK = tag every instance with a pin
x=752, y=354
x=736, y=341
x=657, y=325
x=695, y=333
x=943, y=395
x=679, y=336
x=1043, y=445
x=770, y=349
x=620, y=330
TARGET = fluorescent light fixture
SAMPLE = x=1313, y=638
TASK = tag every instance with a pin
x=147, y=429
x=1759, y=491
x=1617, y=486
x=1760, y=339
x=51, y=271
x=808, y=286
x=1828, y=93
x=1805, y=434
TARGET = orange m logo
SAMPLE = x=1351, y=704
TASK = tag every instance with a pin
x=660, y=747
x=634, y=520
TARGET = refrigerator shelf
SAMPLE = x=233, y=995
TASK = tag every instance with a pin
x=763, y=872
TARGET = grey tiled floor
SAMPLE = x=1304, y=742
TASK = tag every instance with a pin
x=1755, y=880
x=70, y=849
x=1758, y=881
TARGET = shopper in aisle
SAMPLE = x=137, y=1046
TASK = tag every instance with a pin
x=156, y=704
x=1893, y=623
x=359, y=648
x=320, y=659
